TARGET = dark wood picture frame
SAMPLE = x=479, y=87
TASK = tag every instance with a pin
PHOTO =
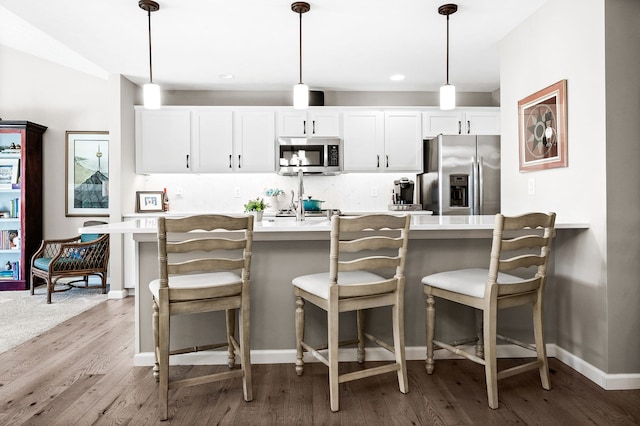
x=149, y=201
x=542, y=124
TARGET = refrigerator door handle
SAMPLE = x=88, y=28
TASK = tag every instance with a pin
x=481, y=185
x=473, y=205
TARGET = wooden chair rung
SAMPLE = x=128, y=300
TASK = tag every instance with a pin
x=368, y=372
x=459, y=351
x=516, y=342
x=202, y=348
x=379, y=342
x=209, y=378
x=512, y=371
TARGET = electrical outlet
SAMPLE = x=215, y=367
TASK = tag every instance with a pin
x=236, y=192
x=179, y=192
x=374, y=191
x=532, y=186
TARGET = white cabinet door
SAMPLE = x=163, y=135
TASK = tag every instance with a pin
x=363, y=141
x=163, y=141
x=403, y=141
x=309, y=123
x=482, y=122
x=254, y=141
x=212, y=148
x=439, y=122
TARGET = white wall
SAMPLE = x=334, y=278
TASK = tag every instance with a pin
x=562, y=41
x=62, y=99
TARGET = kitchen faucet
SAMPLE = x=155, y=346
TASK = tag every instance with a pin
x=300, y=206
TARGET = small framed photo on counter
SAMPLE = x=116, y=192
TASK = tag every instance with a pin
x=149, y=201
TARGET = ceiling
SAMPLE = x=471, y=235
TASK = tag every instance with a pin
x=348, y=45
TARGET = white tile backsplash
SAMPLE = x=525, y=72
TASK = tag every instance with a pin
x=216, y=192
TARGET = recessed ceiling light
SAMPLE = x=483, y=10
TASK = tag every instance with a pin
x=397, y=77
x=227, y=76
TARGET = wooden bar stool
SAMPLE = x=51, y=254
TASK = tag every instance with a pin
x=350, y=285
x=524, y=253
x=202, y=273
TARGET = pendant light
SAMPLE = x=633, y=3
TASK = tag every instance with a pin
x=151, y=91
x=448, y=91
x=300, y=90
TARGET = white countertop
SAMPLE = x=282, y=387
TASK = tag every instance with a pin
x=147, y=225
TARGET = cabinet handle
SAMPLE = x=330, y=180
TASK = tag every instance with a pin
x=230, y=159
x=187, y=161
x=304, y=127
x=378, y=160
x=239, y=162
x=314, y=127
x=459, y=127
x=387, y=160
x=468, y=127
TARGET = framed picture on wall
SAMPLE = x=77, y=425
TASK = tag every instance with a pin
x=9, y=168
x=543, y=128
x=87, y=173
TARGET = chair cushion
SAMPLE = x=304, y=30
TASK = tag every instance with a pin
x=197, y=281
x=466, y=281
x=318, y=284
x=42, y=263
x=85, y=238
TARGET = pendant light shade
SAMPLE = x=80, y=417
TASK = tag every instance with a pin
x=448, y=91
x=300, y=90
x=151, y=91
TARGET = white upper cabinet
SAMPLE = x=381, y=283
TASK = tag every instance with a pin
x=204, y=140
x=363, y=140
x=382, y=141
x=163, y=141
x=254, y=141
x=476, y=121
x=403, y=141
x=309, y=123
x=212, y=147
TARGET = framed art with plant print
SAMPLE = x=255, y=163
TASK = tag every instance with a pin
x=87, y=173
x=543, y=128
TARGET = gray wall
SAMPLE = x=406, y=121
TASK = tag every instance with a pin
x=622, y=44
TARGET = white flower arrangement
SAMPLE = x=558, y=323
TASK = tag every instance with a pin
x=273, y=192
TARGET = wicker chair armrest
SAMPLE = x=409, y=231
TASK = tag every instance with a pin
x=50, y=248
x=78, y=255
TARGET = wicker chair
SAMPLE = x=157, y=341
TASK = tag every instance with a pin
x=78, y=257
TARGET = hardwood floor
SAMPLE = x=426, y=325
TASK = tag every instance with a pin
x=81, y=373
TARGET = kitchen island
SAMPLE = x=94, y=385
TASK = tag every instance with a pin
x=285, y=248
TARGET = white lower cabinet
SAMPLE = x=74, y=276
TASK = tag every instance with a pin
x=382, y=141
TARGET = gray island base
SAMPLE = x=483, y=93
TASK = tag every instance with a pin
x=284, y=249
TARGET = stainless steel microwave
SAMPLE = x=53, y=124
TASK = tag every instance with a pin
x=321, y=156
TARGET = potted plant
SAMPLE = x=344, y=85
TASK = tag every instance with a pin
x=256, y=207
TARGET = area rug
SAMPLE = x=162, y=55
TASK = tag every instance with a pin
x=22, y=315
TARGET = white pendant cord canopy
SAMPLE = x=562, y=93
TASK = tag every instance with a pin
x=300, y=90
x=151, y=91
x=448, y=91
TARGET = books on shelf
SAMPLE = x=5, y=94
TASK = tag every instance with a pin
x=10, y=271
x=14, y=210
x=9, y=239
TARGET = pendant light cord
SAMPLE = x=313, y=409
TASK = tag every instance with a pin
x=447, y=49
x=150, y=66
x=300, y=14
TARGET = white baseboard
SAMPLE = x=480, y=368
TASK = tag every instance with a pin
x=288, y=356
x=117, y=294
x=623, y=381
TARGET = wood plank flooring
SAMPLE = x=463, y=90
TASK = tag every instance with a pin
x=81, y=373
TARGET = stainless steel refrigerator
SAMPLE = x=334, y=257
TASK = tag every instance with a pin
x=461, y=175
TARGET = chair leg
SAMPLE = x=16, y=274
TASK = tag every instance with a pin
x=538, y=330
x=431, y=326
x=104, y=283
x=360, y=324
x=299, y=335
x=333, y=343
x=397, y=311
x=245, y=348
x=490, y=359
x=50, y=287
x=163, y=341
x=231, y=329
x=479, y=332
x=33, y=283
x=154, y=323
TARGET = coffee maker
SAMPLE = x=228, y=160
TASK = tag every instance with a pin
x=403, y=189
